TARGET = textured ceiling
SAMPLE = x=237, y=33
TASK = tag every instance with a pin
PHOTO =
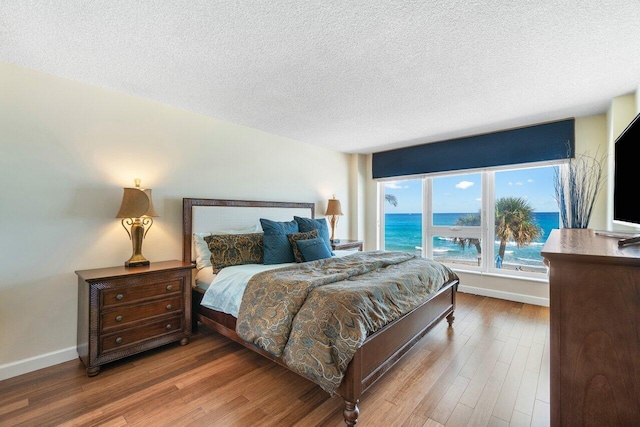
x=355, y=76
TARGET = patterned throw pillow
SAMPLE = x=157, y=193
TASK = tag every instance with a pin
x=235, y=249
x=293, y=238
x=202, y=255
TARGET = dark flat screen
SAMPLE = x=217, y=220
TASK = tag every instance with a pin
x=626, y=175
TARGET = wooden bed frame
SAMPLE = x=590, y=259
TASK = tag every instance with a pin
x=380, y=351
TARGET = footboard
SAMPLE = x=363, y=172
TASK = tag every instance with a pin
x=382, y=350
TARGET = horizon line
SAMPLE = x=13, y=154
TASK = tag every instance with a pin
x=465, y=213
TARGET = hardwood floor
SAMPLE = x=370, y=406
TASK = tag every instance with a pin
x=491, y=369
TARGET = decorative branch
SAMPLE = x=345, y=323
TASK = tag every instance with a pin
x=577, y=185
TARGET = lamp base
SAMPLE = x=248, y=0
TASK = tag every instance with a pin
x=136, y=260
x=137, y=236
x=334, y=222
x=136, y=263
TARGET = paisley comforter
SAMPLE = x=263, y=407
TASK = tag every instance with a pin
x=316, y=315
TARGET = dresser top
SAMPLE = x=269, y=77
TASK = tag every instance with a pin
x=587, y=246
x=114, y=272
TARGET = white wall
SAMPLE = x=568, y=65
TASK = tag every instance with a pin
x=372, y=240
x=591, y=139
x=67, y=150
x=357, y=196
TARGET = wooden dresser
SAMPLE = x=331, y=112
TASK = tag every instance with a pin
x=595, y=329
x=124, y=311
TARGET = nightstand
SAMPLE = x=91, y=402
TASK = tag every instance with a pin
x=124, y=311
x=346, y=244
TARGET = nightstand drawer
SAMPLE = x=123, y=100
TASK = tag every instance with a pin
x=132, y=293
x=122, y=316
x=133, y=336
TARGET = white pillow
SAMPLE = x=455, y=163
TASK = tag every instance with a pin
x=201, y=249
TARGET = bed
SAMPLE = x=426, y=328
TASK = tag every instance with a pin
x=379, y=351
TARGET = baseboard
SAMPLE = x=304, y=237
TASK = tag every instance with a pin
x=510, y=296
x=13, y=369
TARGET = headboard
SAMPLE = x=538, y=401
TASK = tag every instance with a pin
x=203, y=215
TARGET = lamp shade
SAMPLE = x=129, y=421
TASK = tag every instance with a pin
x=333, y=207
x=136, y=203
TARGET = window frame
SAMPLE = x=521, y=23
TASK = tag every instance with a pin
x=486, y=230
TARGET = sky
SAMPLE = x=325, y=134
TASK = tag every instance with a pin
x=461, y=193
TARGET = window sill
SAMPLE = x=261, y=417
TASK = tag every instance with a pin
x=544, y=279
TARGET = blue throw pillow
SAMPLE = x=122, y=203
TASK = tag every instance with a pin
x=277, y=249
x=320, y=224
x=314, y=249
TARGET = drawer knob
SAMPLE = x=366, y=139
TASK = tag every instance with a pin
x=169, y=287
x=169, y=306
x=119, y=297
x=169, y=326
x=118, y=318
x=118, y=340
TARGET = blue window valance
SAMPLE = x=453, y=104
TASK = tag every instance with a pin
x=537, y=143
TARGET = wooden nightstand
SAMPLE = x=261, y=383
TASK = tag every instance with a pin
x=346, y=244
x=123, y=311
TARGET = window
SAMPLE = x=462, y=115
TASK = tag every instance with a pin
x=455, y=224
x=491, y=221
x=402, y=220
x=519, y=189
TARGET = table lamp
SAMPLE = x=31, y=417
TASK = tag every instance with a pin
x=334, y=210
x=136, y=211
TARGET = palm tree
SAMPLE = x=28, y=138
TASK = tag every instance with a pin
x=391, y=199
x=469, y=220
x=514, y=221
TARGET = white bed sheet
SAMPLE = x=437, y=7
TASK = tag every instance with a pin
x=226, y=290
x=227, y=287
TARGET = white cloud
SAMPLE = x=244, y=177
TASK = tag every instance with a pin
x=395, y=186
x=519, y=184
x=463, y=185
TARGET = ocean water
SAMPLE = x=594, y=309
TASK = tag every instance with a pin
x=404, y=232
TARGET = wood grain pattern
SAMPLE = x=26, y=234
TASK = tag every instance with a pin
x=214, y=381
x=595, y=319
